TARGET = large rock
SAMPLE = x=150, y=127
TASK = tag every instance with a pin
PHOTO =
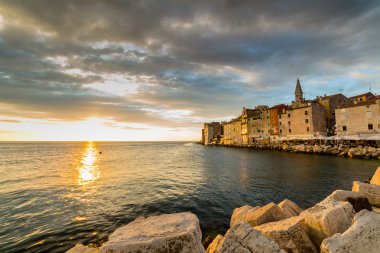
x=376, y=177
x=163, y=233
x=242, y=238
x=241, y=214
x=257, y=216
x=327, y=218
x=358, y=200
x=289, y=208
x=290, y=234
x=80, y=248
x=371, y=191
x=362, y=236
x=216, y=245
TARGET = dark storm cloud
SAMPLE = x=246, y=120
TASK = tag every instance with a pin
x=208, y=57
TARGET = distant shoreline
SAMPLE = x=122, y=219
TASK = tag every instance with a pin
x=345, y=151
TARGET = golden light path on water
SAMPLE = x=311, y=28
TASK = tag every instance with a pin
x=88, y=171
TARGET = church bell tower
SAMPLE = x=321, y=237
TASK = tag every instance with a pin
x=298, y=92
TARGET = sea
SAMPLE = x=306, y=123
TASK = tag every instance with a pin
x=54, y=195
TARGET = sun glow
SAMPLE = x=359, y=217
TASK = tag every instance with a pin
x=88, y=172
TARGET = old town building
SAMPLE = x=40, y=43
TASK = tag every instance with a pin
x=361, y=98
x=274, y=123
x=330, y=103
x=211, y=132
x=232, y=132
x=303, y=119
x=246, y=125
x=359, y=118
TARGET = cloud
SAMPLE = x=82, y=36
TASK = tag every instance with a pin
x=140, y=61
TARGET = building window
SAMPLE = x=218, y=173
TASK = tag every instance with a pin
x=290, y=130
x=279, y=116
x=306, y=113
x=344, y=128
x=307, y=129
x=370, y=126
x=306, y=120
x=280, y=123
x=288, y=115
x=280, y=130
x=288, y=122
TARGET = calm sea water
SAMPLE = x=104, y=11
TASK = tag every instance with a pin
x=54, y=195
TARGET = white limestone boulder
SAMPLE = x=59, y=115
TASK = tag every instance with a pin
x=241, y=214
x=376, y=177
x=242, y=238
x=326, y=219
x=178, y=232
x=358, y=200
x=290, y=234
x=289, y=208
x=80, y=248
x=371, y=191
x=362, y=236
x=215, y=245
x=268, y=213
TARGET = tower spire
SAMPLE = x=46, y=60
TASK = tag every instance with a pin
x=298, y=92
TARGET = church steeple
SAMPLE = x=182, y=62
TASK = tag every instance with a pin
x=298, y=92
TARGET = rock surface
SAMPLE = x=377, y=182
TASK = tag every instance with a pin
x=290, y=235
x=289, y=208
x=358, y=200
x=242, y=238
x=341, y=195
x=80, y=248
x=362, y=236
x=241, y=214
x=326, y=219
x=216, y=244
x=268, y=213
x=163, y=233
x=376, y=177
x=371, y=191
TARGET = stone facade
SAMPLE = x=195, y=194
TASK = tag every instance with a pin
x=246, y=124
x=274, y=121
x=211, y=131
x=330, y=103
x=359, y=118
x=303, y=122
x=232, y=132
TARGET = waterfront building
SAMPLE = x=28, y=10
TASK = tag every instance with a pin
x=274, y=123
x=212, y=132
x=303, y=119
x=259, y=123
x=246, y=125
x=359, y=118
x=330, y=103
x=361, y=98
x=232, y=132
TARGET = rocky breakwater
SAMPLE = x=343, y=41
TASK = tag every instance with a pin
x=365, y=152
x=345, y=221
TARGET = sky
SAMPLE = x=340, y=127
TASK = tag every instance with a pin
x=156, y=70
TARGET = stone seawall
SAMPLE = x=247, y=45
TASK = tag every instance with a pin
x=345, y=221
x=364, y=152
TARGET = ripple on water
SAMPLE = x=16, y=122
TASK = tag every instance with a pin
x=55, y=195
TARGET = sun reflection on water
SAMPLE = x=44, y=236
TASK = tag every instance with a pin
x=88, y=171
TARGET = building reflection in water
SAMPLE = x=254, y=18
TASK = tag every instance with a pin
x=88, y=171
x=244, y=172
